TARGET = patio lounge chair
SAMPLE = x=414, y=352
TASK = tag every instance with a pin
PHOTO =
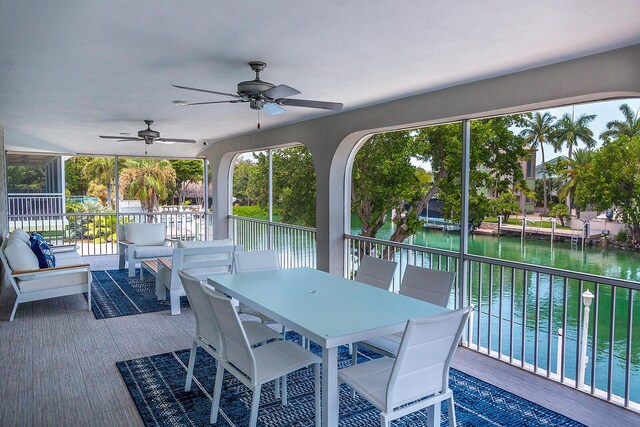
x=141, y=241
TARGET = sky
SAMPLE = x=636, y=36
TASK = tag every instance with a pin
x=605, y=112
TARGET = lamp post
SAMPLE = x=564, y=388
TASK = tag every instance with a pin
x=587, y=299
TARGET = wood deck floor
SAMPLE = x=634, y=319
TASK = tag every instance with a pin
x=57, y=365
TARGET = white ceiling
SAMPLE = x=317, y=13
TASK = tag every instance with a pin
x=73, y=70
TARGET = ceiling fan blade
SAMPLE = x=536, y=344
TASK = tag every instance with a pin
x=310, y=104
x=206, y=91
x=189, y=104
x=122, y=138
x=280, y=91
x=172, y=140
x=273, y=108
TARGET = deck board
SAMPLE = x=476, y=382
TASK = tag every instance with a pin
x=57, y=364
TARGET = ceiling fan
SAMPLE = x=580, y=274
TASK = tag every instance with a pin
x=149, y=136
x=263, y=95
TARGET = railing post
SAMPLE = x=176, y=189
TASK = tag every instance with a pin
x=587, y=298
x=559, y=355
x=464, y=213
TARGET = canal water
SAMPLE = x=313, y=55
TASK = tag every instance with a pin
x=532, y=296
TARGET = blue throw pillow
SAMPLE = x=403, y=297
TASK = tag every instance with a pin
x=46, y=258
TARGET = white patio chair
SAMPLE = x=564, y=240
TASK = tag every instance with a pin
x=245, y=262
x=376, y=272
x=426, y=284
x=420, y=373
x=207, y=331
x=255, y=366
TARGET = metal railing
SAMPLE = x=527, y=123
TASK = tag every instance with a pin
x=295, y=244
x=30, y=204
x=96, y=233
x=533, y=317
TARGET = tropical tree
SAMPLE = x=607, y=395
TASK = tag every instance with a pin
x=385, y=178
x=148, y=180
x=75, y=180
x=613, y=182
x=188, y=172
x=574, y=172
x=568, y=132
x=630, y=127
x=101, y=170
x=538, y=131
x=242, y=170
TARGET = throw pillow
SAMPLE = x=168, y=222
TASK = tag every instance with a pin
x=19, y=256
x=46, y=258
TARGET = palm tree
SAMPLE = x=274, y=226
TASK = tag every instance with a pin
x=539, y=129
x=630, y=127
x=149, y=181
x=102, y=171
x=574, y=173
x=569, y=131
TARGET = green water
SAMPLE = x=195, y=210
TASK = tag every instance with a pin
x=535, y=296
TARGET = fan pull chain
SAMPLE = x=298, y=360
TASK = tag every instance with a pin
x=258, y=119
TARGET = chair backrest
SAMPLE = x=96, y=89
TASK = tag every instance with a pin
x=376, y=272
x=207, y=327
x=245, y=262
x=421, y=368
x=236, y=348
x=427, y=284
x=146, y=234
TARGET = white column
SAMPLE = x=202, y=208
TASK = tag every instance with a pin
x=464, y=212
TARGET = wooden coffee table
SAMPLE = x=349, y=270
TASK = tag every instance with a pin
x=151, y=266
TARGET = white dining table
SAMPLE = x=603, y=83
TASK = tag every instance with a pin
x=328, y=309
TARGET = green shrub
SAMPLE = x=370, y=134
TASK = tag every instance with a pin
x=251, y=212
x=623, y=235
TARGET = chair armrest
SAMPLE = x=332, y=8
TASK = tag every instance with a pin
x=171, y=240
x=127, y=242
x=46, y=270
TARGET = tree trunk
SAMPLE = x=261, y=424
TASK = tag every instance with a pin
x=568, y=201
x=544, y=179
x=109, y=195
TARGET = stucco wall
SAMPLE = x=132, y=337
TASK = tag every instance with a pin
x=331, y=138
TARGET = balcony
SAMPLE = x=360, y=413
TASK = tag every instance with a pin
x=61, y=360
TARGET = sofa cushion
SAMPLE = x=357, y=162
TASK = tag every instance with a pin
x=53, y=281
x=20, y=256
x=68, y=261
x=143, y=234
x=152, y=251
x=20, y=234
x=46, y=257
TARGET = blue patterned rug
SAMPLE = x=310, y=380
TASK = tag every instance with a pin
x=114, y=294
x=156, y=384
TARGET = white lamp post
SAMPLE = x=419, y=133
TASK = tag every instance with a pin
x=587, y=299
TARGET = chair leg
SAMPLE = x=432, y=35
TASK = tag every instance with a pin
x=350, y=346
x=217, y=391
x=277, y=387
x=192, y=362
x=354, y=353
x=285, y=400
x=433, y=414
x=161, y=292
x=255, y=403
x=13, y=312
x=452, y=412
x=316, y=379
x=175, y=302
x=89, y=297
x=121, y=262
x=132, y=269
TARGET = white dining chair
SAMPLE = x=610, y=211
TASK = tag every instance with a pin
x=256, y=366
x=376, y=272
x=245, y=262
x=419, y=377
x=207, y=331
x=426, y=284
